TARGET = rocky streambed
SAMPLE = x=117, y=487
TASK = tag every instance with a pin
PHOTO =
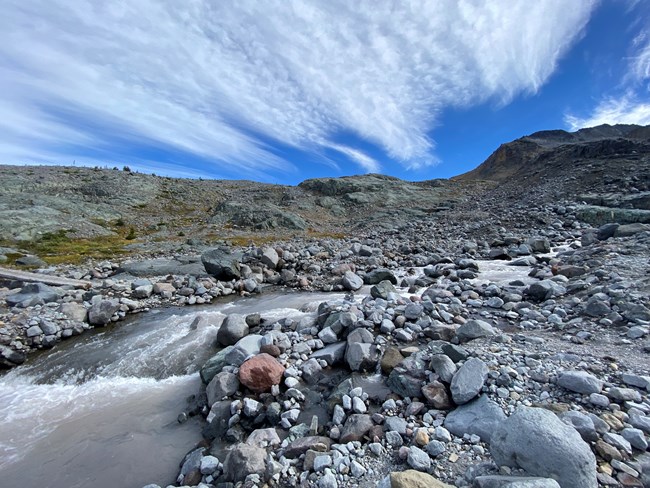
x=439, y=366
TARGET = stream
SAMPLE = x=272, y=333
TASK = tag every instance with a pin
x=101, y=410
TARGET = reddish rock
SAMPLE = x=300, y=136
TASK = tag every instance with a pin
x=260, y=373
x=437, y=396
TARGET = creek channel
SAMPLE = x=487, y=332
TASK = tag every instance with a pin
x=101, y=410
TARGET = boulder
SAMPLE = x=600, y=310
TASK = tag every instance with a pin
x=361, y=356
x=382, y=289
x=496, y=481
x=214, y=365
x=544, y=290
x=32, y=294
x=356, y=426
x=260, y=373
x=351, y=281
x=245, y=348
x=222, y=385
x=163, y=267
x=443, y=366
x=242, y=460
x=270, y=257
x=537, y=441
x=437, y=396
x=233, y=328
x=101, y=310
x=378, y=275
x=479, y=417
x=468, y=380
x=222, y=263
x=473, y=329
x=332, y=354
x=580, y=382
x=74, y=311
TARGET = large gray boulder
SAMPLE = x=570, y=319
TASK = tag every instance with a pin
x=224, y=384
x=497, y=481
x=214, y=365
x=163, y=267
x=101, y=310
x=473, y=329
x=544, y=290
x=382, y=290
x=243, y=460
x=351, y=281
x=468, y=380
x=580, y=382
x=479, y=417
x=32, y=294
x=537, y=441
x=270, y=257
x=233, y=328
x=361, y=356
x=222, y=263
x=378, y=275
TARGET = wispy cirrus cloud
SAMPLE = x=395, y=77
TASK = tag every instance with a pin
x=629, y=102
x=226, y=80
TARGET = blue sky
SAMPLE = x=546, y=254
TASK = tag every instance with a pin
x=283, y=91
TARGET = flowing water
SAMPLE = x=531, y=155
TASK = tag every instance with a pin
x=100, y=410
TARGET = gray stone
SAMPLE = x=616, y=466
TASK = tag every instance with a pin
x=74, y=311
x=101, y=310
x=495, y=481
x=582, y=423
x=233, y=328
x=579, y=382
x=321, y=462
x=222, y=385
x=163, y=267
x=32, y=294
x=435, y=448
x=537, y=441
x=544, y=290
x=356, y=426
x=473, y=329
x=351, y=281
x=243, y=460
x=222, y=263
x=214, y=365
x=245, y=348
x=393, y=438
x=468, y=380
x=328, y=481
x=405, y=385
x=638, y=381
x=413, y=311
x=33, y=331
x=378, y=275
x=270, y=257
x=624, y=394
x=332, y=353
x=479, y=417
x=361, y=356
x=395, y=424
x=418, y=459
x=635, y=437
x=443, y=366
x=382, y=290
x=209, y=464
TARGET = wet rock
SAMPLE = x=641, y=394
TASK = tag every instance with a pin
x=10, y=357
x=580, y=382
x=242, y=461
x=378, y=275
x=537, y=441
x=233, y=328
x=382, y=290
x=479, y=417
x=222, y=385
x=214, y=365
x=260, y=373
x=468, y=380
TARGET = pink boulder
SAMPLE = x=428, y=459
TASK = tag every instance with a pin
x=260, y=373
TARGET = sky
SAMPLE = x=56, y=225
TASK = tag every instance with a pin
x=285, y=90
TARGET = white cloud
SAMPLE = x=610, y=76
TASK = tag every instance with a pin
x=624, y=110
x=208, y=77
x=367, y=163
